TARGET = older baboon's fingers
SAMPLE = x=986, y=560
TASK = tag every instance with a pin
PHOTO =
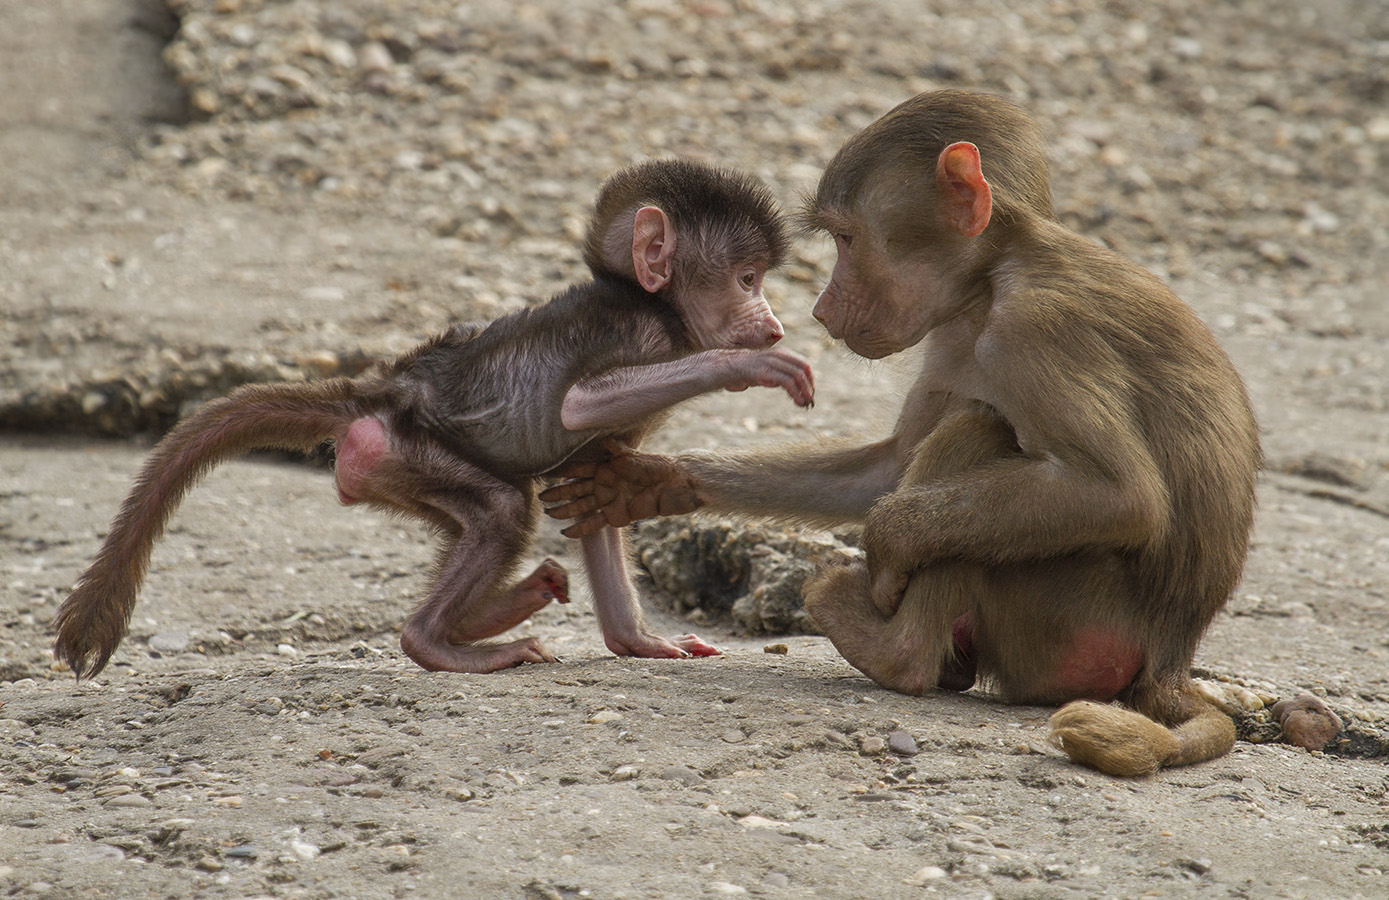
x=574, y=509
x=589, y=524
x=579, y=487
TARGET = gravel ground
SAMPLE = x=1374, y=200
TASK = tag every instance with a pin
x=217, y=191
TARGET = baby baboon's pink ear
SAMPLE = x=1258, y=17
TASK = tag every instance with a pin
x=653, y=244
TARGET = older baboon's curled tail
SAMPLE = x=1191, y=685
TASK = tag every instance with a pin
x=1174, y=726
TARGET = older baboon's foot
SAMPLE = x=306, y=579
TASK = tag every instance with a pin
x=1307, y=722
x=895, y=652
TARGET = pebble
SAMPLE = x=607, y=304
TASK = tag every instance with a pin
x=324, y=293
x=1199, y=866
x=925, y=875
x=374, y=57
x=170, y=642
x=112, y=790
x=872, y=745
x=902, y=743
x=1231, y=698
x=128, y=801
x=777, y=649
x=339, y=53
x=323, y=363
x=605, y=717
x=838, y=738
x=626, y=773
x=683, y=774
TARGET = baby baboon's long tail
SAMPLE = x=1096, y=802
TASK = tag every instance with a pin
x=92, y=621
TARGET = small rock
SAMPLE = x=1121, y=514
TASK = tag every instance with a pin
x=625, y=773
x=323, y=363
x=604, y=717
x=209, y=864
x=838, y=738
x=1272, y=251
x=374, y=57
x=872, y=745
x=1185, y=48
x=1198, y=866
x=902, y=743
x=324, y=293
x=925, y=875
x=242, y=851
x=242, y=34
x=733, y=736
x=1231, y=698
x=339, y=53
x=683, y=774
x=778, y=649
x=127, y=801
x=169, y=642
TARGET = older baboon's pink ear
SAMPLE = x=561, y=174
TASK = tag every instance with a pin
x=653, y=245
x=965, y=196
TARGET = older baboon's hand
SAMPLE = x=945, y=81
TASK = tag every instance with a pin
x=626, y=488
x=888, y=552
